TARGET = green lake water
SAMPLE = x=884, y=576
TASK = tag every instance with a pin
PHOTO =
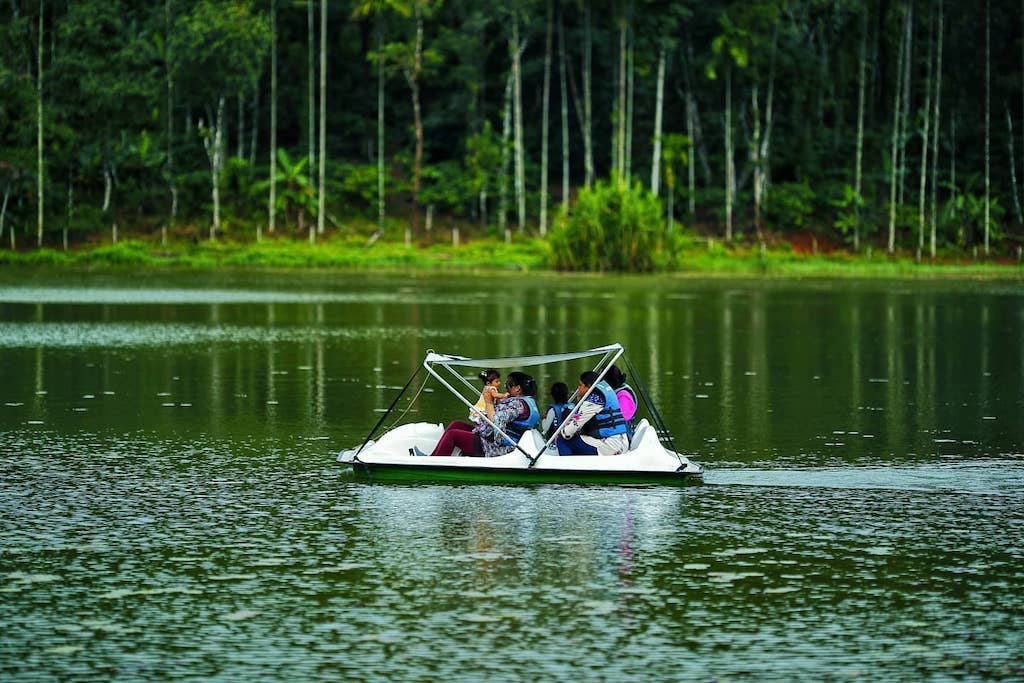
x=171, y=508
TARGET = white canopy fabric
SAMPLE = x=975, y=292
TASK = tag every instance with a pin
x=516, y=361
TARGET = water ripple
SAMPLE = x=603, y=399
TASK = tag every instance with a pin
x=117, y=551
x=123, y=335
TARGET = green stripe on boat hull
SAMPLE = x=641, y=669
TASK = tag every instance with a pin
x=515, y=475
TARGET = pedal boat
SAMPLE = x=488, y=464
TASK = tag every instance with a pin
x=651, y=458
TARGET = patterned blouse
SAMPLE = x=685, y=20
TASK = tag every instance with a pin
x=505, y=411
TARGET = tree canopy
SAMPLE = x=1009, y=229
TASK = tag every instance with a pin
x=840, y=117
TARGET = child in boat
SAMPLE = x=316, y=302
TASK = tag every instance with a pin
x=512, y=415
x=559, y=408
x=490, y=394
x=491, y=380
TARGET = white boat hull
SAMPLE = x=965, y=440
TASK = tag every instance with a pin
x=390, y=457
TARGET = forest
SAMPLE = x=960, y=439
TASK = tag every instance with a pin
x=893, y=125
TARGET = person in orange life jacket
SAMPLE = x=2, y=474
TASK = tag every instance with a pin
x=558, y=409
x=513, y=414
x=491, y=379
x=616, y=379
x=597, y=426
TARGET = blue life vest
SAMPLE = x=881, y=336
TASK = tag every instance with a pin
x=561, y=411
x=609, y=421
x=517, y=428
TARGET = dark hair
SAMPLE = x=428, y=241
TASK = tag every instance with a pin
x=616, y=378
x=560, y=392
x=588, y=378
x=489, y=375
x=525, y=382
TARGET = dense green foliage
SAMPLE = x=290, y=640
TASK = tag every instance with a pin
x=139, y=98
x=613, y=227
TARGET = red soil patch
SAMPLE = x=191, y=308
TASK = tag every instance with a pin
x=811, y=243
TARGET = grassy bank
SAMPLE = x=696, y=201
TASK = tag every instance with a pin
x=699, y=257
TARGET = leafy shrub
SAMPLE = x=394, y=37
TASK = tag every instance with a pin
x=448, y=186
x=789, y=206
x=359, y=183
x=962, y=219
x=613, y=227
x=125, y=253
x=849, y=206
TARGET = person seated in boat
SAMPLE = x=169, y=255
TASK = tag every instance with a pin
x=597, y=426
x=513, y=415
x=557, y=410
x=491, y=380
x=616, y=379
x=491, y=392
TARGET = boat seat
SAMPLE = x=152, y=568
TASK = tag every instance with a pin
x=639, y=435
x=531, y=441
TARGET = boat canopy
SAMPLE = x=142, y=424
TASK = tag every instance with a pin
x=448, y=363
x=517, y=361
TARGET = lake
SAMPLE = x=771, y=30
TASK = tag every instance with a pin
x=171, y=508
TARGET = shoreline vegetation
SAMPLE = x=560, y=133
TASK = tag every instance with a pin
x=571, y=136
x=443, y=251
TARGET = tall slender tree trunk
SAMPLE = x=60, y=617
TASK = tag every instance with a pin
x=564, y=101
x=755, y=156
x=613, y=128
x=272, y=203
x=730, y=165
x=517, y=96
x=321, y=203
x=988, y=116
x=506, y=135
x=894, y=177
x=39, y=132
x=214, y=144
x=859, y=166
x=108, y=186
x=952, y=164
x=764, y=155
x=1013, y=167
x=922, y=184
x=380, y=129
x=545, y=108
x=691, y=169
x=627, y=164
x=311, y=82
x=169, y=74
x=659, y=103
x=908, y=63
x=620, y=113
x=3, y=212
x=413, y=79
x=935, y=128
x=240, y=133
x=70, y=207
x=588, y=111
x=696, y=133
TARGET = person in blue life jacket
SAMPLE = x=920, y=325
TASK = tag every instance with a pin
x=513, y=415
x=596, y=426
x=557, y=410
